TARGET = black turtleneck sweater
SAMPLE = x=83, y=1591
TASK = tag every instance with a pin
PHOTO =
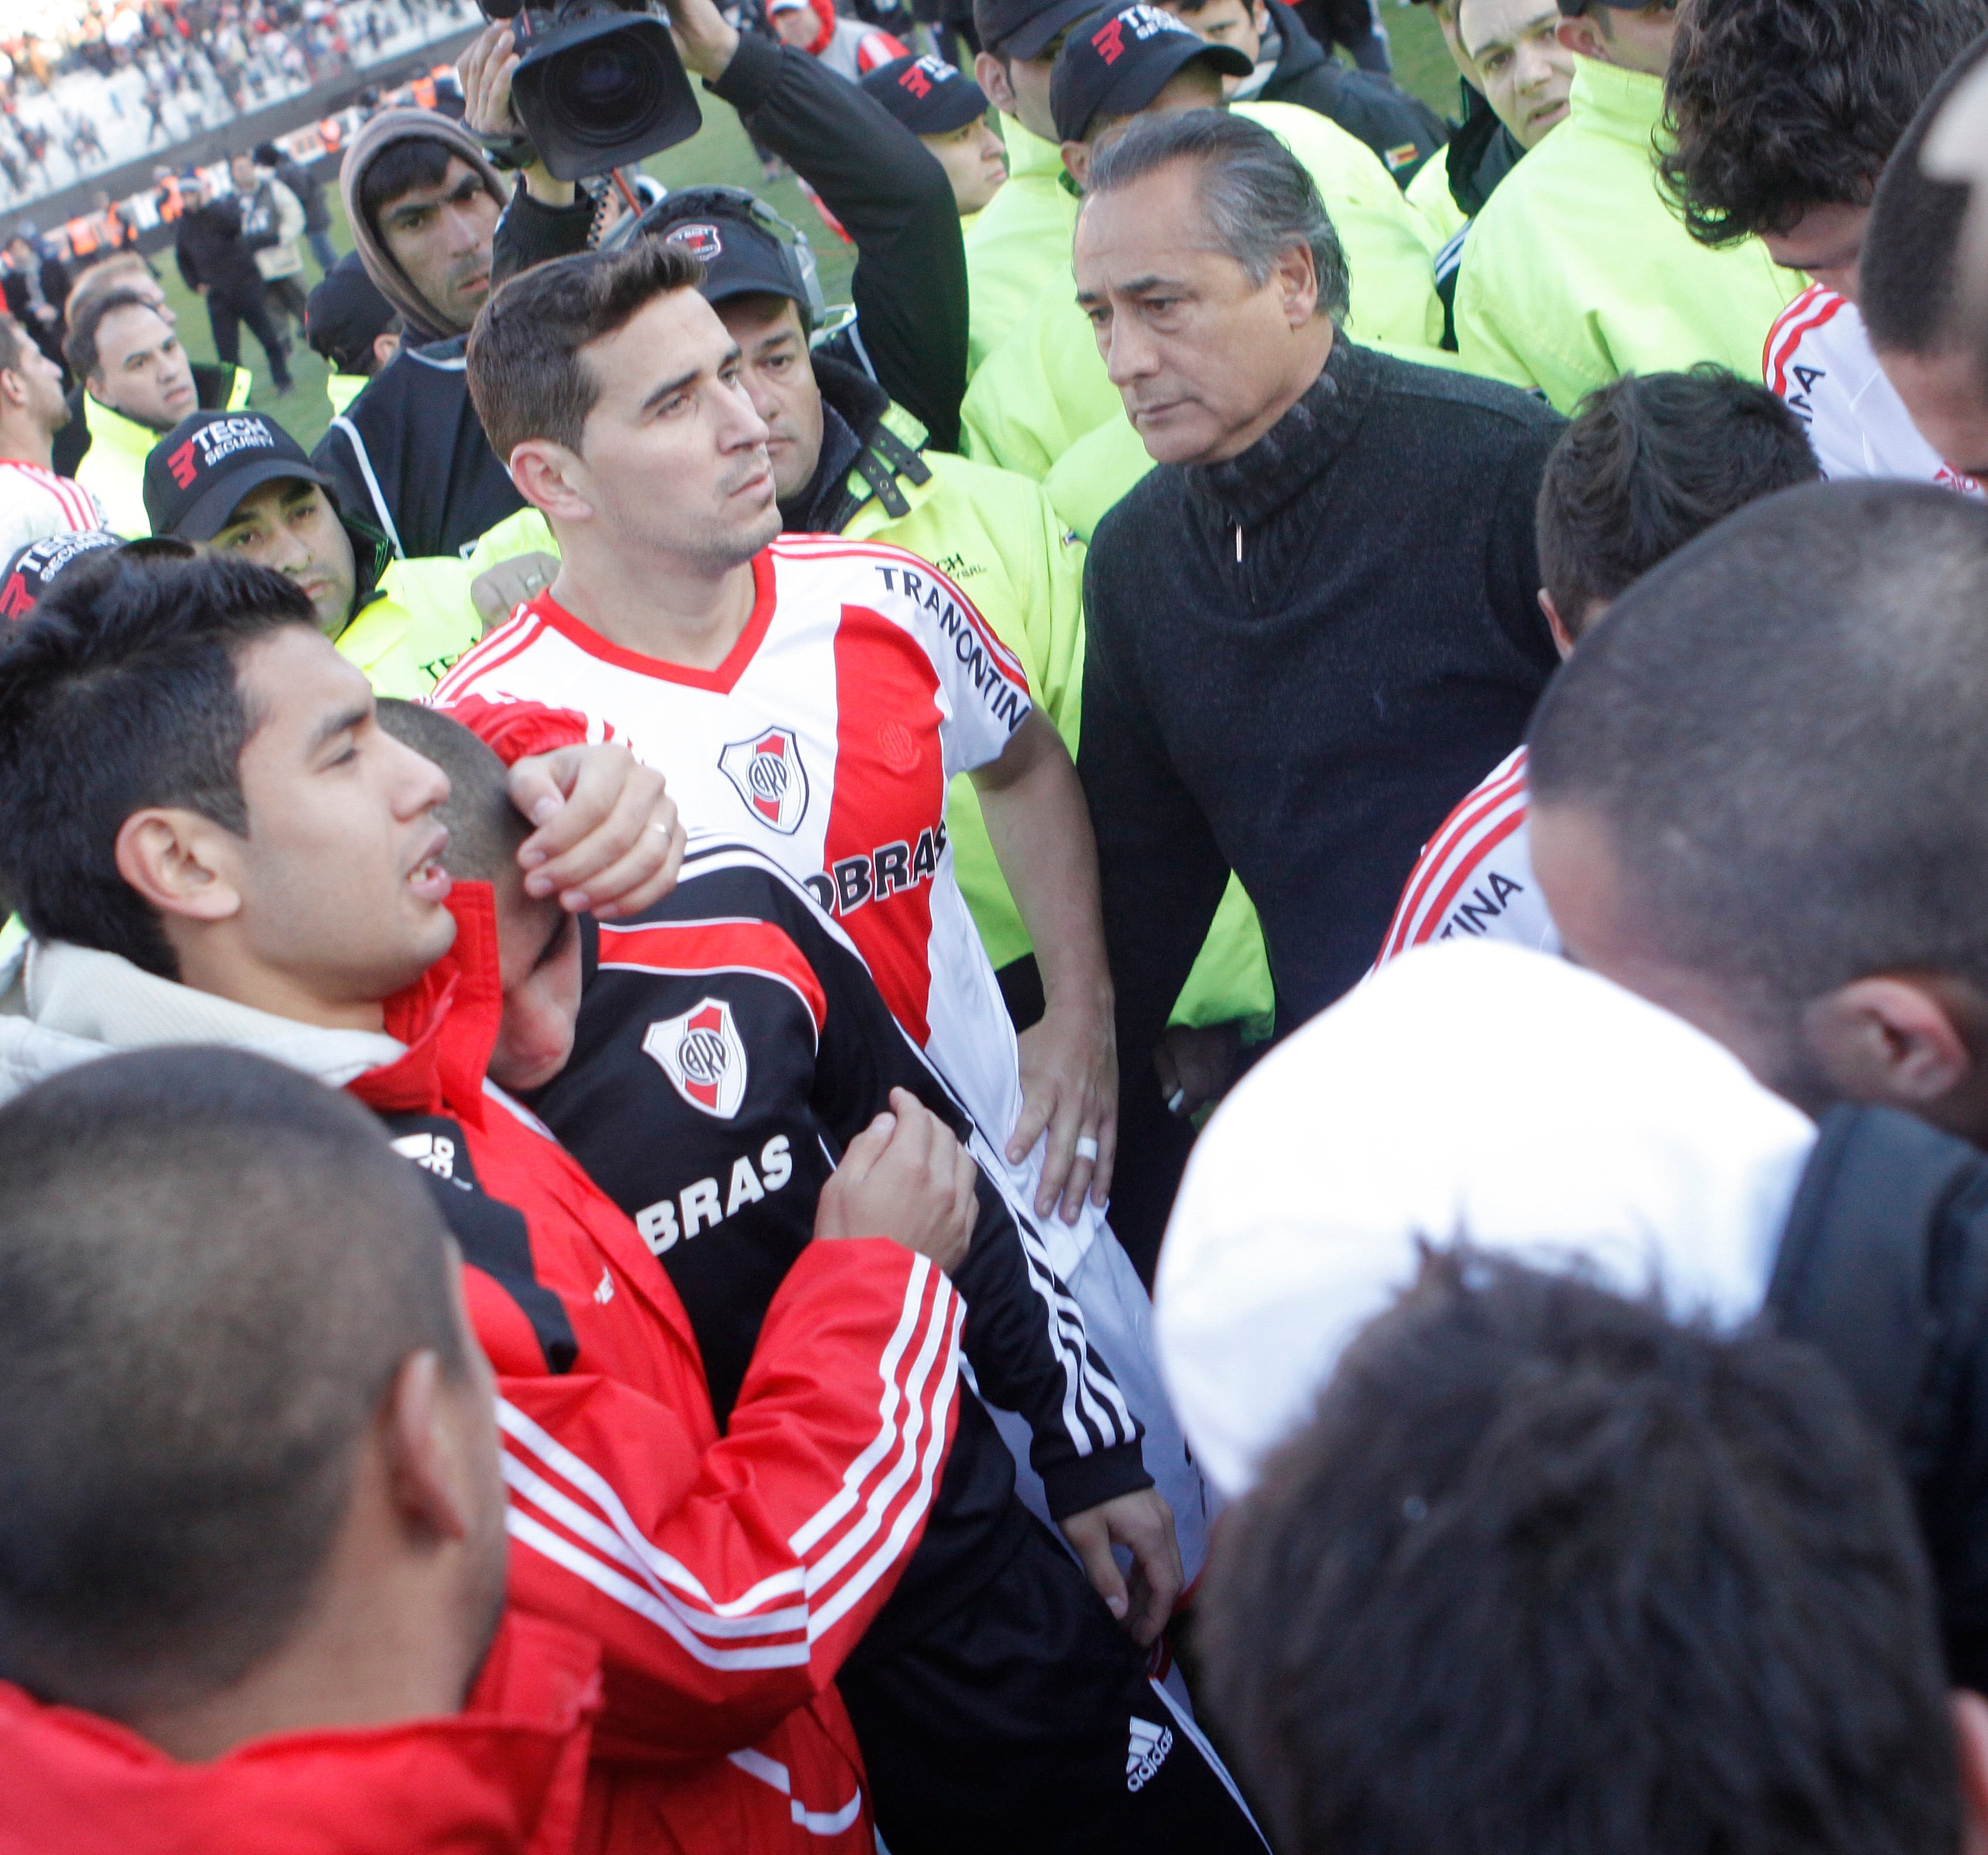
x=1297, y=662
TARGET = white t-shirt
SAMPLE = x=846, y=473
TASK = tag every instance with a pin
x=864, y=681
x=35, y=503
x=1475, y=876
x=1819, y=361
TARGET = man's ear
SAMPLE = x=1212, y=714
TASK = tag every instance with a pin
x=178, y=861
x=385, y=347
x=1894, y=1041
x=1583, y=35
x=426, y=1480
x=1297, y=284
x=545, y=474
x=1970, y=1746
x=1076, y=158
x=13, y=388
x=1563, y=638
x=991, y=75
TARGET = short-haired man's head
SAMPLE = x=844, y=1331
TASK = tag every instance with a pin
x=1649, y=462
x=121, y=270
x=118, y=692
x=1907, y=289
x=211, y=1269
x=485, y=828
x=527, y=375
x=1550, y=1571
x=1780, y=107
x=1777, y=734
x=85, y=361
x=13, y=338
x=1259, y=198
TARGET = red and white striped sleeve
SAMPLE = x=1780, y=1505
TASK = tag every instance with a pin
x=726, y=1586
x=1450, y=860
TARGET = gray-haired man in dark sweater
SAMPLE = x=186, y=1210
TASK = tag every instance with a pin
x=1309, y=629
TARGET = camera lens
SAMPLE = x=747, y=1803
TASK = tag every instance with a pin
x=600, y=93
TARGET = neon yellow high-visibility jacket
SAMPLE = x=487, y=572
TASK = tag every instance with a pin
x=1018, y=243
x=995, y=533
x=1429, y=198
x=1577, y=270
x=1046, y=386
x=114, y=466
x=343, y=389
x=419, y=621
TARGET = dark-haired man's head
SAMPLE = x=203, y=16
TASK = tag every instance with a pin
x=1019, y=40
x=128, y=358
x=191, y=777
x=1635, y=35
x=538, y=941
x=1212, y=277
x=1910, y=293
x=246, y=1432
x=1649, y=462
x=434, y=216
x=32, y=409
x=1132, y=64
x=1785, y=112
x=1757, y=795
x=1519, y=62
x=613, y=391
x=1549, y=1571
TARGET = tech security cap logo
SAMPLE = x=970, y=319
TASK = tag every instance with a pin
x=701, y=239
x=702, y=1052
x=767, y=773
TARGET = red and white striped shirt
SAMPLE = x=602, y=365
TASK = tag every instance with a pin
x=1475, y=876
x=35, y=503
x=864, y=681
x=1819, y=361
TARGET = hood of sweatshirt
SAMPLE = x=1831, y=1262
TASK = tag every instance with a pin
x=1468, y=1091
x=506, y=1774
x=424, y=323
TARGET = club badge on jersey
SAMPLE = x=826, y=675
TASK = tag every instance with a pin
x=702, y=1054
x=769, y=775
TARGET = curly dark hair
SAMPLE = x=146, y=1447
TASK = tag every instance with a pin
x=1779, y=106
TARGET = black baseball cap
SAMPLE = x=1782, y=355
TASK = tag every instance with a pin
x=345, y=314
x=197, y=473
x=32, y=568
x=1020, y=29
x=1121, y=59
x=747, y=249
x=927, y=95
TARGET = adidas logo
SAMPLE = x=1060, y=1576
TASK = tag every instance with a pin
x=435, y=1152
x=1146, y=1752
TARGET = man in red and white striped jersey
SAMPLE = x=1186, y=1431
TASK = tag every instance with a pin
x=810, y=696
x=35, y=503
x=1650, y=462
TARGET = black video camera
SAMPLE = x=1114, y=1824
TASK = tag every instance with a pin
x=599, y=83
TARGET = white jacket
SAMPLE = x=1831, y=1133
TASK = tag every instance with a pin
x=1469, y=1090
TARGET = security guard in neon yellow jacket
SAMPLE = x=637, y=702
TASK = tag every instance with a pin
x=1046, y=386
x=239, y=483
x=1577, y=270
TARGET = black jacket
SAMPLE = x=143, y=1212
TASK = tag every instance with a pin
x=409, y=455
x=310, y=191
x=731, y=1044
x=1481, y=152
x=1353, y=23
x=1401, y=130
x=1883, y=1266
x=892, y=197
x=214, y=252
x=53, y=276
x=1294, y=663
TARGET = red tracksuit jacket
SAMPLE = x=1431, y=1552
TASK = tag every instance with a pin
x=504, y=1777
x=725, y=1577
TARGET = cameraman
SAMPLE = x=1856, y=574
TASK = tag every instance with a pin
x=888, y=191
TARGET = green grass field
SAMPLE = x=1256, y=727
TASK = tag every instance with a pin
x=720, y=153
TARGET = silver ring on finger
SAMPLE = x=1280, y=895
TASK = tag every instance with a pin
x=1086, y=1148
